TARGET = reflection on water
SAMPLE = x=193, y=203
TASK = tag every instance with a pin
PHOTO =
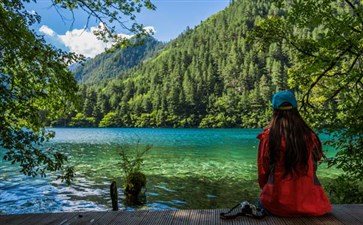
x=186, y=168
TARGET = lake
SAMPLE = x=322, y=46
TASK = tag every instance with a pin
x=185, y=169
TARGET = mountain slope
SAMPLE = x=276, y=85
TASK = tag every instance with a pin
x=108, y=65
x=209, y=76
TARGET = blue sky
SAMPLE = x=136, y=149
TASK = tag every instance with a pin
x=169, y=19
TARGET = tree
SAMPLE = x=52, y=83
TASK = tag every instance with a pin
x=35, y=82
x=326, y=36
x=90, y=102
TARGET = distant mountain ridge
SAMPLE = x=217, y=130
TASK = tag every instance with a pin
x=106, y=65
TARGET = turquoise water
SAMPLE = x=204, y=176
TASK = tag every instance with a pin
x=185, y=169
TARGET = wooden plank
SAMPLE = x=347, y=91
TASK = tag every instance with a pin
x=340, y=213
x=50, y=218
x=84, y=218
x=293, y=221
x=107, y=217
x=311, y=220
x=216, y=218
x=129, y=218
x=330, y=219
x=158, y=217
x=63, y=218
x=213, y=216
x=167, y=217
x=203, y=217
x=265, y=221
x=181, y=217
x=358, y=211
x=12, y=219
x=208, y=217
x=194, y=217
x=273, y=220
x=7, y=219
x=16, y=218
x=354, y=210
x=243, y=220
x=217, y=212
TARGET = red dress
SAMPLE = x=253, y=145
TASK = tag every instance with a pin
x=291, y=195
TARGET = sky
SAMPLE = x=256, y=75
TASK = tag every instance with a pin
x=170, y=19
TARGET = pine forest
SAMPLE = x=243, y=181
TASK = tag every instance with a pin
x=210, y=76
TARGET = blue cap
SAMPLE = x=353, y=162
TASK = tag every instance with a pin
x=283, y=97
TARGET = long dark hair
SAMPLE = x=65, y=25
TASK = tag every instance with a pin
x=289, y=126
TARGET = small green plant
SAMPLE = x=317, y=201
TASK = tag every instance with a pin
x=132, y=158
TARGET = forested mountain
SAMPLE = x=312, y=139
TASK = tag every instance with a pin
x=209, y=76
x=108, y=65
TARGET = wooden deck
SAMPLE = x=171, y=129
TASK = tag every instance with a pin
x=341, y=214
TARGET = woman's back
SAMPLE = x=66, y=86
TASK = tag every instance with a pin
x=291, y=194
x=287, y=162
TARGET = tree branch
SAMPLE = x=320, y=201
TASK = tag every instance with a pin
x=355, y=10
x=306, y=96
x=301, y=50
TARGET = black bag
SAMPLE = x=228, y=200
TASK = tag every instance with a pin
x=243, y=209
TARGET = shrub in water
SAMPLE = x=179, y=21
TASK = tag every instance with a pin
x=134, y=179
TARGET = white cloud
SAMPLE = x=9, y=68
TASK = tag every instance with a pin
x=83, y=41
x=150, y=29
x=46, y=30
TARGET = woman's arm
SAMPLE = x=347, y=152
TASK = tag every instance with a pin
x=317, y=148
x=262, y=159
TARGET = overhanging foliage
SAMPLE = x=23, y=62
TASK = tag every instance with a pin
x=35, y=82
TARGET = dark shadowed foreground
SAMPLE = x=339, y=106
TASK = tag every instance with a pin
x=341, y=214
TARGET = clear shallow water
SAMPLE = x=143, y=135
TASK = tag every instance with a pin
x=186, y=168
